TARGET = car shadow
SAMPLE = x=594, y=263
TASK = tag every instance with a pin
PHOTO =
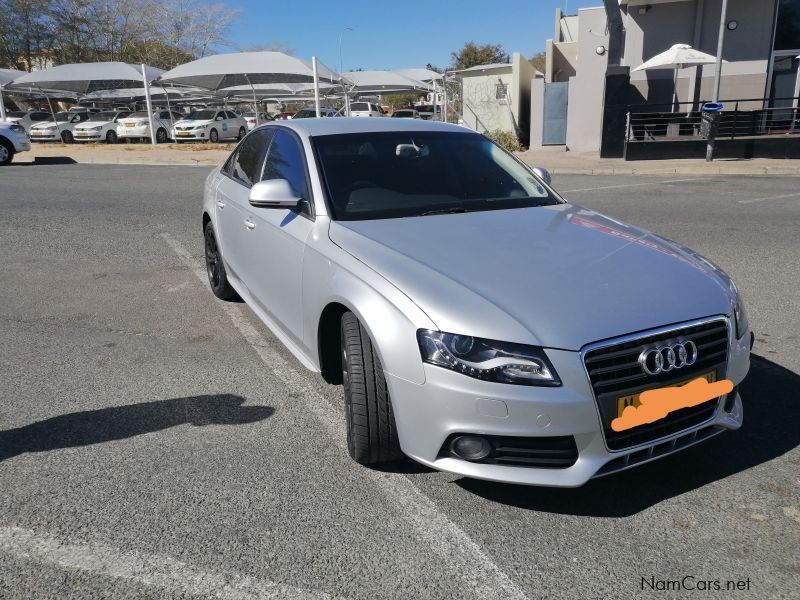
x=770, y=430
x=119, y=422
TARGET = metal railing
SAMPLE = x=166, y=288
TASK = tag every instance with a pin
x=735, y=121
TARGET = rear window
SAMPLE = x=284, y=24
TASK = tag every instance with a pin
x=16, y=114
x=359, y=106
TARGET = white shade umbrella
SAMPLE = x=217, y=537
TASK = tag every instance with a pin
x=272, y=90
x=678, y=57
x=84, y=78
x=6, y=76
x=247, y=68
x=424, y=75
x=383, y=82
x=138, y=93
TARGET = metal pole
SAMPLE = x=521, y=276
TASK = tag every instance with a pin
x=444, y=89
x=149, y=105
x=316, y=84
x=2, y=107
x=718, y=75
x=341, y=33
x=52, y=114
x=255, y=102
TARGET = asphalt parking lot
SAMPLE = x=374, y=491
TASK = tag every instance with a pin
x=157, y=443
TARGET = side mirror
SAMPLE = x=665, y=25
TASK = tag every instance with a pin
x=220, y=118
x=273, y=193
x=543, y=174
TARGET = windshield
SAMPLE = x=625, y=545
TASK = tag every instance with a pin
x=15, y=114
x=307, y=113
x=103, y=116
x=139, y=115
x=405, y=174
x=202, y=115
x=63, y=117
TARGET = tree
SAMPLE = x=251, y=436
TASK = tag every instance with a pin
x=25, y=30
x=472, y=55
x=539, y=61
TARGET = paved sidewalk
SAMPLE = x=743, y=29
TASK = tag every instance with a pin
x=556, y=160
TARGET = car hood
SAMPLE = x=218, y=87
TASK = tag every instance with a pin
x=558, y=276
x=90, y=124
x=46, y=124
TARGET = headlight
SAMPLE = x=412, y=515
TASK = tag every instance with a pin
x=18, y=129
x=97, y=128
x=199, y=127
x=489, y=360
x=50, y=127
x=739, y=314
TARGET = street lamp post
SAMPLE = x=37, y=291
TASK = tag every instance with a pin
x=346, y=93
x=718, y=75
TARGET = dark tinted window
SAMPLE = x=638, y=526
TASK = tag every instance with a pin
x=231, y=115
x=286, y=161
x=41, y=116
x=243, y=165
x=787, y=34
x=359, y=106
x=401, y=174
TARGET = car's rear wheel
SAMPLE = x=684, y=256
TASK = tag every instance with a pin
x=111, y=137
x=66, y=137
x=161, y=136
x=213, y=137
x=371, y=429
x=217, y=278
x=6, y=153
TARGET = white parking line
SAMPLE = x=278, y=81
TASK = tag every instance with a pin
x=792, y=195
x=628, y=185
x=163, y=572
x=454, y=547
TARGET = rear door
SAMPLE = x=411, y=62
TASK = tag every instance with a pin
x=233, y=208
x=275, y=251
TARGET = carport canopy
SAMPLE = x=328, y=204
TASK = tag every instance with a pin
x=85, y=78
x=383, y=82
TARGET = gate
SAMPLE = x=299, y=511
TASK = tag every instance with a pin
x=554, y=127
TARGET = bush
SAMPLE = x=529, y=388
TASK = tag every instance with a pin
x=505, y=139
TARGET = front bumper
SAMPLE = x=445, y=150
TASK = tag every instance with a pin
x=449, y=403
x=87, y=136
x=187, y=135
x=47, y=136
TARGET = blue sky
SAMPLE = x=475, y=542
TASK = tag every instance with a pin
x=390, y=35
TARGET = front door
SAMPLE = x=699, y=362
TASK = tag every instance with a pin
x=274, y=271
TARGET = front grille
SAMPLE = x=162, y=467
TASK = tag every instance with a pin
x=554, y=452
x=614, y=371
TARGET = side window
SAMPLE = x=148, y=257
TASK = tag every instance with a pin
x=286, y=160
x=244, y=163
x=230, y=115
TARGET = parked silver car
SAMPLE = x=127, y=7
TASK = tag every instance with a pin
x=480, y=324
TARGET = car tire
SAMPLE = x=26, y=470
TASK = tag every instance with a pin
x=371, y=429
x=161, y=136
x=6, y=153
x=66, y=137
x=215, y=268
x=213, y=136
x=242, y=133
x=111, y=137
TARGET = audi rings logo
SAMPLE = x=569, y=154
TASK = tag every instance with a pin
x=666, y=358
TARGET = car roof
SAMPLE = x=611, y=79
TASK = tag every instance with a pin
x=320, y=127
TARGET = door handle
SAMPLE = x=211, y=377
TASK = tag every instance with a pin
x=220, y=203
x=249, y=224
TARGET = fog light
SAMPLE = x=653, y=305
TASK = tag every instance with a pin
x=470, y=447
x=730, y=400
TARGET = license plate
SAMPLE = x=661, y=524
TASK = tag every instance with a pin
x=130, y=124
x=183, y=134
x=82, y=134
x=633, y=399
x=35, y=133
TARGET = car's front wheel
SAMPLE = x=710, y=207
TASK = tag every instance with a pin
x=371, y=429
x=161, y=136
x=66, y=137
x=213, y=137
x=111, y=137
x=242, y=133
x=6, y=153
x=217, y=277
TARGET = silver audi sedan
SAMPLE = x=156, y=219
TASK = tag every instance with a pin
x=480, y=323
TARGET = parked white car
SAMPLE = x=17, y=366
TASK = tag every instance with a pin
x=210, y=125
x=255, y=119
x=406, y=113
x=137, y=127
x=13, y=139
x=365, y=109
x=100, y=127
x=28, y=119
x=310, y=113
x=61, y=129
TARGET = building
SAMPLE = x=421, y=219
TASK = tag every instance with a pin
x=497, y=96
x=761, y=46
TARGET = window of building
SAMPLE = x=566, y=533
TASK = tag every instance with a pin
x=787, y=32
x=501, y=91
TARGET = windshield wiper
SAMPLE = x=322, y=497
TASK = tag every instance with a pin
x=445, y=211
